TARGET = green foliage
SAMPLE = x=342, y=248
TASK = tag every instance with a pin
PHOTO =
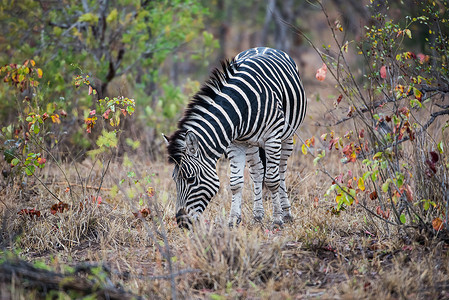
x=129, y=41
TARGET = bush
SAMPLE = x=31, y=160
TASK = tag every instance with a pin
x=398, y=146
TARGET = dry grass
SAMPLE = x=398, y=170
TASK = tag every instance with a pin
x=320, y=255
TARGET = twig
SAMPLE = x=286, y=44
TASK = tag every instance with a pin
x=79, y=185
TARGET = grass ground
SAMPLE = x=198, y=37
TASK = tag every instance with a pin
x=113, y=249
x=321, y=254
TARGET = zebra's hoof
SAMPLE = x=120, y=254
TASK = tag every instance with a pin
x=234, y=221
x=258, y=219
x=277, y=225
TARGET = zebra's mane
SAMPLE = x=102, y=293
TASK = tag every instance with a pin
x=176, y=142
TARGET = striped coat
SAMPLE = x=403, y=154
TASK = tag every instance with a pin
x=250, y=110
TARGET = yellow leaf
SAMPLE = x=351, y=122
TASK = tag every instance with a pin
x=39, y=72
x=190, y=36
x=338, y=198
x=55, y=119
x=361, y=184
x=408, y=33
x=304, y=149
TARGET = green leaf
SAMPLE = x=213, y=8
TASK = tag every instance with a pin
x=107, y=139
x=426, y=205
x=29, y=170
x=414, y=103
x=385, y=185
x=378, y=155
x=15, y=161
x=366, y=174
x=402, y=218
x=89, y=18
x=366, y=162
x=374, y=175
x=440, y=147
x=8, y=154
x=399, y=179
x=112, y=16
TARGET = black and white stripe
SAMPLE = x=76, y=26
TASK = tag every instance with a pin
x=250, y=109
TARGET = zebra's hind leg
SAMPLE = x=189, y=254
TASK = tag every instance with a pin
x=287, y=148
x=236, y=155
x=272, y=179
x=256, y=170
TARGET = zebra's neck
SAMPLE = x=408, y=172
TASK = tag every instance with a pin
x=211, y=116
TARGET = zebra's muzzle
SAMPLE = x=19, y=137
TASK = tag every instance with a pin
x=182, y=218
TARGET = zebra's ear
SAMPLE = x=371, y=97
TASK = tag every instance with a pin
x=167, y=141
x=191, y=143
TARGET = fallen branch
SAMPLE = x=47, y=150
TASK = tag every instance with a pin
x=28, y=277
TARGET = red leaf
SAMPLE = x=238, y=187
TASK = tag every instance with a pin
x=106, y=114
x=59, y=207
x=332, y=143
x=434, y=156
x=339, y=98
x=437, y=224
x=312, y=140
x=143, y=213
x=431, y=166
x=379, y=210
x=408, y=192
x=383, y=72
x=30, y=212
x=339, y=178
x=423, y=58
x=373, y=195
x=321, y=73
x=362, y=133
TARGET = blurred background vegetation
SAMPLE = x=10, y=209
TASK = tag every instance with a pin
x=157, y=52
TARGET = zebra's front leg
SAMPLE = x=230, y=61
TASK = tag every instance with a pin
x=256, y=171
x=272, y=179
x=287, y=149
x=236, y=155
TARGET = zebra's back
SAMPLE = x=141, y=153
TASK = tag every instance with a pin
x=274, y=76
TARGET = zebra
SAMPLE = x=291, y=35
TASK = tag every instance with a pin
x=250, y=111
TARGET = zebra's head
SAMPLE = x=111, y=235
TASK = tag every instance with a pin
x=195, y=177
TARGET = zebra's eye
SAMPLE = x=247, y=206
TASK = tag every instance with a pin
x=190, y=180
